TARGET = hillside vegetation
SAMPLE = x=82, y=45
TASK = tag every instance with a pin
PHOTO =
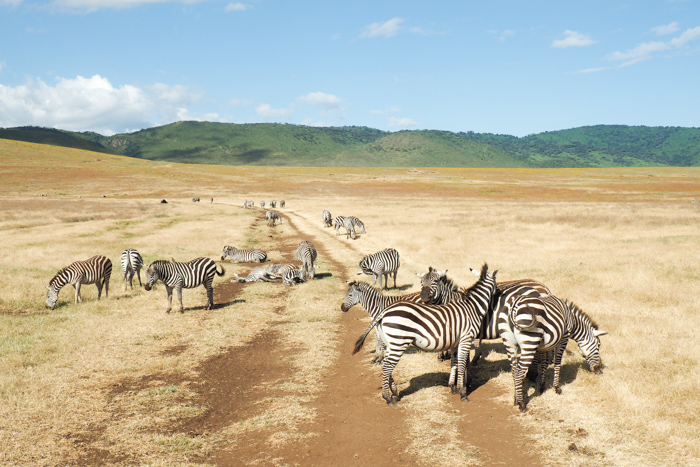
x=271, y=144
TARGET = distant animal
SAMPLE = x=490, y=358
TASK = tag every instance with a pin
x=433, y=328
x=195, y=200
x=163, y=201
x=282, y=203
x=187, y=275
x=211, y=200
x=262, y=204
x=381, y=264
x=327, y=219
x=96, y=270
x=271, y=217
x=243, y=256
x=131, y=264
x=306, y=253
x=350, y=223
x=273, y=203
x=531, y=325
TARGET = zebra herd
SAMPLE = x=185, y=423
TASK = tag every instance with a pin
x=533, y=325
x=251, y=204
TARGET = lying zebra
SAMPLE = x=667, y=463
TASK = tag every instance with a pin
x=261, y=274
x=243, y=256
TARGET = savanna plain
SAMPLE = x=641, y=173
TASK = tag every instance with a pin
x=267, y=376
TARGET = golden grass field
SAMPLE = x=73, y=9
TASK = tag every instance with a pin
x=112, y=380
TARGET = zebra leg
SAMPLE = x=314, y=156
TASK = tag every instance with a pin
x=138, y=273
x=519, y=378
x=99, y=284
x=390, y=391
x=453, y=372
x=542, y=361
x=477, y=352
x=463, y=367
x=210, y=296
x=169, y=291
x=379, y=352
x=106, y=283
x=126, y=280
x=558, y=355
x=395, y=278
x=179, y=298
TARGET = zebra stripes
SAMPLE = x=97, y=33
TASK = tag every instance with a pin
x=381, y=264
x=374, y=302
x=262, y=204
x=131, y=264
x=282, y=203
x=350, y=224
x=327, y=219
x=187, y=275
x=243, y=256
x=96, y=270
x=306, y=254
x=271, y=217
x=433, y=328
x=532, y=325
x=292, y=275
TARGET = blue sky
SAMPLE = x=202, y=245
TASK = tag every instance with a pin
x=508, y=67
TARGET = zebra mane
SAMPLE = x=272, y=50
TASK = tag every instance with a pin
x=365, y=287
x=466, y=292
x=160, y=262
x=60, y=271
x=580, y=314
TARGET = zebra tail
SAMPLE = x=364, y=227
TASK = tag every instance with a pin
x=223, y=271
x=361, y=341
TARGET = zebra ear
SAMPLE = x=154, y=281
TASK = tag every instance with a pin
x=596, y=332
x=47, y=287
x=441, y=273
x=420, y=274
x=172, y=260
x=360, y=273
x=475, y=272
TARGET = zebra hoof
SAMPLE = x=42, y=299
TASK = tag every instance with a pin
x=558, y=390
x=464, y=398
x=523, y=409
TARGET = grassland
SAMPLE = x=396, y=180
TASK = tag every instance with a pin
x=113, y=380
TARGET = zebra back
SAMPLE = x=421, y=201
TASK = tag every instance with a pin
x=381, y=262
x=327, y=218
x=243, y=256
x=306, y=254
x=131, y=260
x=199, y=271
x=372, y=299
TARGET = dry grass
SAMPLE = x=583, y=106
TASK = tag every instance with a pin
x=621, y=243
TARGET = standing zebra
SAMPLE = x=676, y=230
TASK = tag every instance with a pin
x=96, y=270
x=374, y=302
x=188, y=275
x=306, y=253
x=243, y=256
x=273, y=204
x=531, y=325
x=433, y=328
x=327, y=219
x=383, y=263
x=271, y=217
x=349, y=223
x=282, y=203
x=262, y=204
x=131, y=264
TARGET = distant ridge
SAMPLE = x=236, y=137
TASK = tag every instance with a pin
x=273, y=144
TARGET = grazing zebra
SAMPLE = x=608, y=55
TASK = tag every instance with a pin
x=96, y=270
x=251, y=204
x=273, y=203
x=531, y=325
x=383, y=263
x=245, y=204
x=194, y=200
x=346, y=222
x=437, y=288
x=188, y=275
x=327, y=219
x=243, y=256
x=282, y=203
x=131, y=264
x=271, y=217
x=306, y=253
x=434, y=328
x=374, y=302
x=349, y=228
x=262, y=204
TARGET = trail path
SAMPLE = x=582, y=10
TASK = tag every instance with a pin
x=353, y=426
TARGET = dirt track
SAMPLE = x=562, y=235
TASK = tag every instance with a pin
x=354, y=426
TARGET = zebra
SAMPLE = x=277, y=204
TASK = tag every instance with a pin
x=243, y=256
x=437, y=288
x=273, y=203
x=245, y=204
x=382, y=263
x=531, y=325
x=291, y=274
x=327, y=219
x=258, y=274
x=199, y=271
x=434, y=328
x=306, y=253
x=96, y=270
x=346, y=221
x=271, y=217
x=262, y=204
x=282, y=203
x=374, y=302
x=131, y=264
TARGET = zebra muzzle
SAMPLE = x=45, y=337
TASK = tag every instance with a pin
x=147, y=287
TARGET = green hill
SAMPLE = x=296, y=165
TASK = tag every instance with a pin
x=294, y=145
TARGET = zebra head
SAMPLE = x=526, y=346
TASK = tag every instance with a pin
x=360, y=225
x=430, y=283
x=51, y=297
x=152, y=276
x=587, y=336
x=352, y=297
x=228, y=250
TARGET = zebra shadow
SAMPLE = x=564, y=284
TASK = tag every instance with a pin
x=322, y=275
x=217, y=306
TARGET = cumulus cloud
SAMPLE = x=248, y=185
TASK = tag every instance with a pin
x=666, y=29
x=88, y=6
x=646, y=50
x=573, y=39
x=321, y=99
x=267, y=112
x=92, y=104
x=387, y=111
x=387, y=29
x=237, y=7
x=395, y=122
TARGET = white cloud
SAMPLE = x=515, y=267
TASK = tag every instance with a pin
x=387, y=111
x=237, y=7
x=321, y=99
x=590, y=70
x=10, y=2
x=645, y=50
x=395, y=122
x=93, y=104
x=387, y=29
x=573, y=39
x=666, y=29
x=89, y=6
x=267, y=112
